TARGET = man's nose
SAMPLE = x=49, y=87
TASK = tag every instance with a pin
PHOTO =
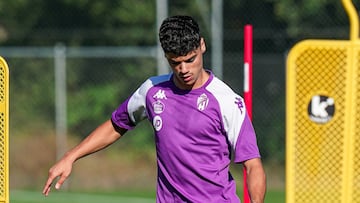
x=183, y=67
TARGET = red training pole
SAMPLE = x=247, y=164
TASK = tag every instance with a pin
x=247, y=88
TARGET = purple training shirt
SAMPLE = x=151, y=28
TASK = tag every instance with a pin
x=195, y=133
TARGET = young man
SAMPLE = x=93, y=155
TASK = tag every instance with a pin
x=198, y=123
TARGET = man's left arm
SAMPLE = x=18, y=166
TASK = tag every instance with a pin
x=256, y=180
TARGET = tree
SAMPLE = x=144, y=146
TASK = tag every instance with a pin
x=79, y=22
x=302, y=16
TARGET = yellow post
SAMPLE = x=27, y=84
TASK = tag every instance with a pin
x=4, y=131
x=353, y=18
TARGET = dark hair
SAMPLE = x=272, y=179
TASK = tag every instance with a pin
x=179, y=35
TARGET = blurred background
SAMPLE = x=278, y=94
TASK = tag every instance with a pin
x=73, y=62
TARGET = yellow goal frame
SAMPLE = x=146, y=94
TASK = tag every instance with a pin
x=4, y=132
x=323, y=118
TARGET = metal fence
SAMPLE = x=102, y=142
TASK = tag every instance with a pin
x=72, y=90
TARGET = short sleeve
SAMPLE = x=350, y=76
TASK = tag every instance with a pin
x=246, y=145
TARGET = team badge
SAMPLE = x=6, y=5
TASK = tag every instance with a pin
x=202, y=102
x=158, y=107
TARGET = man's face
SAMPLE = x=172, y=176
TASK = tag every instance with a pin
x=188, y=70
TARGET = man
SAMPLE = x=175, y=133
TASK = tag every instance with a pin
x=198, y=123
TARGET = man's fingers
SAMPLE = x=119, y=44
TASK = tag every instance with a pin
x=60, y=170
x=46, y=190
x=60, y=182
x=47, y=186
x=50, y=180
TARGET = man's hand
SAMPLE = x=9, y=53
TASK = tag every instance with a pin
x=61, y=169
x=101, y=137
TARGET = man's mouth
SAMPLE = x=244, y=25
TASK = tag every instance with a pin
x=186, y=78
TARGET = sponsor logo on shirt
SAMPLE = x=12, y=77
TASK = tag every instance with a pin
x=160, y=94
x=157, y=123
x=158, y=107
x=202, y=102
x=239, y=103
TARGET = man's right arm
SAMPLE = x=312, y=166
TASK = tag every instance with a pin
x=100, y=138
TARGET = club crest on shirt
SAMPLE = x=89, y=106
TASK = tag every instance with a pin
x=202, y=102
x=158, y=107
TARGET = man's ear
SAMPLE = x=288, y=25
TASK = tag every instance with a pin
x=202, y=45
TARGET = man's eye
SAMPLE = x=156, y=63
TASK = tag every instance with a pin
x=190, y=60
x=174, y=63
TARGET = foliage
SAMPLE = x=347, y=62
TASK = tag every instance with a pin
x=80, y=22
x=300, y=14
x=113, y=22
x=31, y=82
x=95, y=91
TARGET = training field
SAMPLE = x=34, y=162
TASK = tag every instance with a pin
x=17, y=196
x=60, y=197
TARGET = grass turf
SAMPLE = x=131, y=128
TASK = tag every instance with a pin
x=17, y=196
